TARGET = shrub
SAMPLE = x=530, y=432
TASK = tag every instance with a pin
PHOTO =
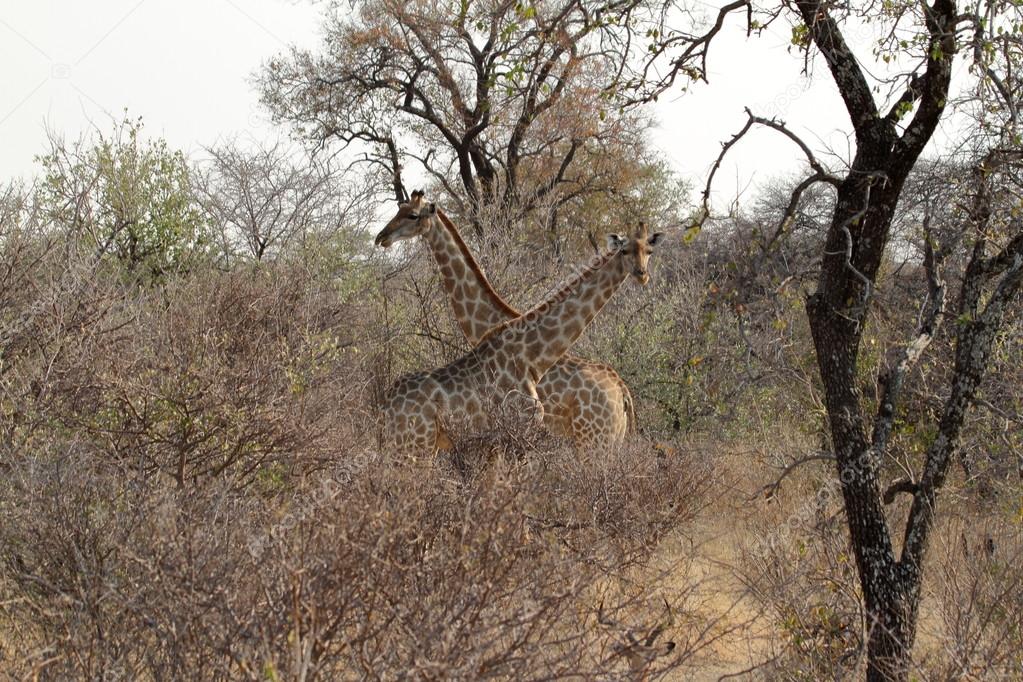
x=369, y=567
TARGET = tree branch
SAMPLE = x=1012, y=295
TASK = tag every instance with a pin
x=768, y=491
x=934, y=84
x=974, y=337
x=820, y=174
x=907, y=357
x=901, y=485
x=852, y=85
x=697, y=48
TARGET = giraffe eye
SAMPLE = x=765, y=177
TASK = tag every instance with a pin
x=413, y=216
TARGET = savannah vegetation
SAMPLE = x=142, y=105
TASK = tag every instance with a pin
x=826, y=481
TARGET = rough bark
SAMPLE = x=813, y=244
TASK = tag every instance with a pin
x=853, y=252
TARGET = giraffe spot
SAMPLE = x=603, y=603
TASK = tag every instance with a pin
x=550, y=326
x=570, y=308
x=458, y=268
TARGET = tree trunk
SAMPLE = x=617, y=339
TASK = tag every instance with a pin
x=890, y=607
x=837, y=313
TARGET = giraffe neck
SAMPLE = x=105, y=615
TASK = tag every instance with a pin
x=477, y=307
x=549, y=329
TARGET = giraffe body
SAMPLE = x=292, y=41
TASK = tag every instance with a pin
x=506, y=366
x=583, y=400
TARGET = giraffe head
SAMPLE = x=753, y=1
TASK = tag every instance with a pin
x=636, y=250
x=414, y=217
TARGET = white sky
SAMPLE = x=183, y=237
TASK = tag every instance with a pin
x=185, y=67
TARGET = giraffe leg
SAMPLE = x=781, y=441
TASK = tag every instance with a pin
x=442, y=443
x=560, y=418
x=430, y=437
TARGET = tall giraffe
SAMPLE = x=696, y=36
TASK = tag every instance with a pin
x=583, y=400
x=510, y=360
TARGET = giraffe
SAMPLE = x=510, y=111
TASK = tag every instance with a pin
x=509, y=361
x=583, y=400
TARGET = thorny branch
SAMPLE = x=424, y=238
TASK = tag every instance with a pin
x=906, y=358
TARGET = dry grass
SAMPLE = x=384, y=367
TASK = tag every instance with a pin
x=790, y=589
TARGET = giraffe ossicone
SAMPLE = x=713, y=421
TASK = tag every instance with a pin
x=583, y=400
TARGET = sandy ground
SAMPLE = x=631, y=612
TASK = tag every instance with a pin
x=737, y=632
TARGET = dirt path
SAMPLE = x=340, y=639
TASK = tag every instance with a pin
x=740, y=635
x=738, y=631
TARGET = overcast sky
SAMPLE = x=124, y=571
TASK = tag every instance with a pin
x=186, y=67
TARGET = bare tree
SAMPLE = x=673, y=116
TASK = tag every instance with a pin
x=265, y=201
x=502, y=103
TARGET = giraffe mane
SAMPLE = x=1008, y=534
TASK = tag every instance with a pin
x=475, y=266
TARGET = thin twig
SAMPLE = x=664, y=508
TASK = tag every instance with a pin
x=770, y=489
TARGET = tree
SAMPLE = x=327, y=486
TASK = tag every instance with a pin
x=129, y=198
x=504, y=104
x=890, y=136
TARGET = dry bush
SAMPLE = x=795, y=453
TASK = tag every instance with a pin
x=629, y=497
x=235, y=371
x=211, y=373
x=371, y=569
x=976, y=632
x=796, y=563
x=55, y=309
x=677, y=349
x=192, y=490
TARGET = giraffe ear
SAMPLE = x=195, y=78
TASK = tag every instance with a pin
x=655, y=238
x=431, y=209
x=615, y=241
